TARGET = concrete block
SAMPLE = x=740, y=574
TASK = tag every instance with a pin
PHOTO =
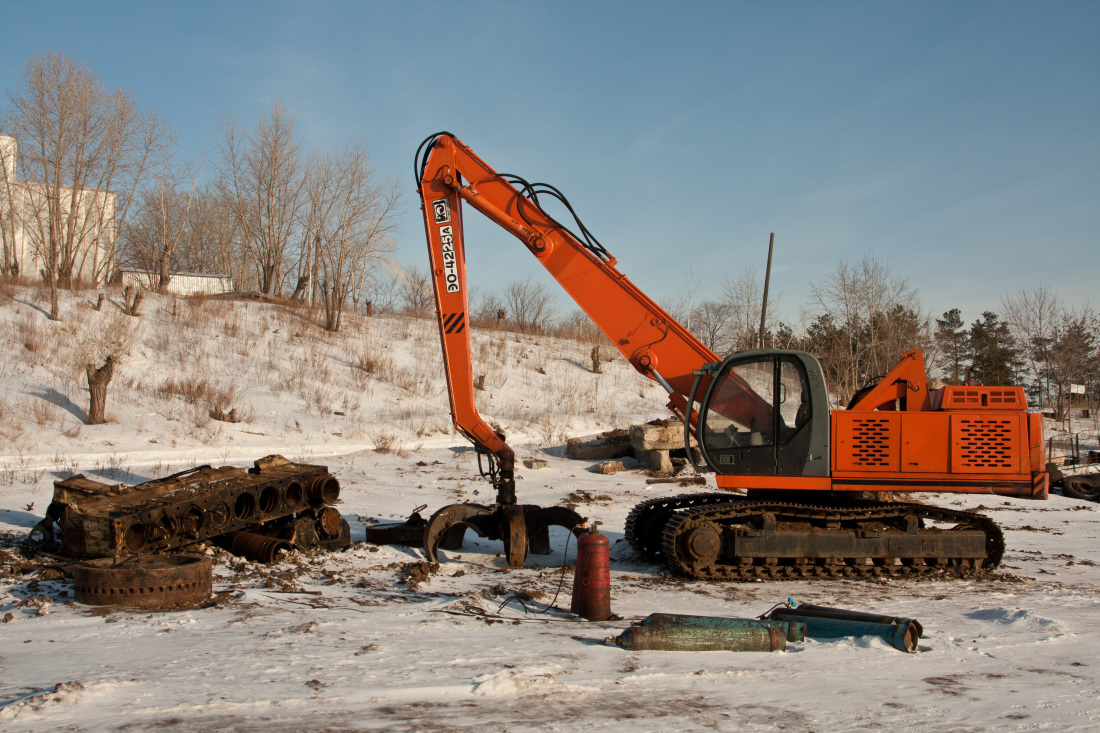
x=601, y=447
x=658, y=435
x=658, y=460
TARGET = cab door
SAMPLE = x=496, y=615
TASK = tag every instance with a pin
x=758, y=415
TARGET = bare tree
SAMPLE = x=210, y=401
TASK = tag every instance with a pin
x=867, y=316
x=711, y=323
x=350, y=220
x=212, y=240
x=100, y=346
x=682, y=306
x=744, y=298
x=10, y=196
x=378, y=292
x=262, y=176
x=162, y=221
x=529, y=306
x=416, y=291
x=578, y=326
x=84, y=150
x=1033, y=316
x=1072, y=356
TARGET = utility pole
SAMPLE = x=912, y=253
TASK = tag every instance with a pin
x=764, y=305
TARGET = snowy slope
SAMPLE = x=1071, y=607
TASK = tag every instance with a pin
x=360, y=641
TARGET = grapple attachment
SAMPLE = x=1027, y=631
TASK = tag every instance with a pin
x=522, y=527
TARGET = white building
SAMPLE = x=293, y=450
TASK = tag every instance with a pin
x=87, y=225
x=182, y=283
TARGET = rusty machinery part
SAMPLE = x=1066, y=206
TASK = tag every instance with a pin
x=322, y=529
x=322, y=490
x=701, y=639
x=410, y=533
x=1082, y=487
x=153, y=583
x=746, y=539
x=42, y=536
x=252, y=546
x=523, y=528
x=104, y=520
x=328, y=521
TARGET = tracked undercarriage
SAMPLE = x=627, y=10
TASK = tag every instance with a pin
x=728, y=537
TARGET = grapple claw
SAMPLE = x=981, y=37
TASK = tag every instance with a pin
x=522, y=528
x=539, y=519
x=450, y=523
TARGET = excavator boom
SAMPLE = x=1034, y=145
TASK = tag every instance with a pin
x=654, y=343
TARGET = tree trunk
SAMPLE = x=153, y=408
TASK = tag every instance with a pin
x=268, y=275
x=163, y=277
x=97, y=390
x=55, y=308
x=300, y=288
x=131, y=298
x=332, y=312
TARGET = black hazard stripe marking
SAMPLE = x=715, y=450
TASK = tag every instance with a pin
x=454, y=322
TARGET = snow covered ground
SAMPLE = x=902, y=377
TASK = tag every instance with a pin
x=359, y=640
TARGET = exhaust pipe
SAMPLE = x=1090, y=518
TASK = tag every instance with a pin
x=255, y=547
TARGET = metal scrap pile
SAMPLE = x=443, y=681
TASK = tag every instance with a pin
x=123, y=539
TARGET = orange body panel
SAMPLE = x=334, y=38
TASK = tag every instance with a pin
x=899, y=438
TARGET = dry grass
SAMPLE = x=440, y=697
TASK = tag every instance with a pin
x=191, y=356
x=197, y=390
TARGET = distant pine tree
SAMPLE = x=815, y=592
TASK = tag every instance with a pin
x=994, y=355
x=954, y=342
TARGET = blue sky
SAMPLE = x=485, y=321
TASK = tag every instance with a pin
x=958, y=142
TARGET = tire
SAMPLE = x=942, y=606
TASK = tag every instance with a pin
x=1081, y=487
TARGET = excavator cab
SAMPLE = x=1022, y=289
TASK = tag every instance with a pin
x=763, y=413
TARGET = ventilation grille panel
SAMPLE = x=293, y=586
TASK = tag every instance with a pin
x=989, y=398
x=871, y=444
x=984, y=444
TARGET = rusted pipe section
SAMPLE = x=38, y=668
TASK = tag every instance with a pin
x=700, y=639
x=323, y=490
x=252, y=546
x=792, y=630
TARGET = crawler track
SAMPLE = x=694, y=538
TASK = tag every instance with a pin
x=724, y=537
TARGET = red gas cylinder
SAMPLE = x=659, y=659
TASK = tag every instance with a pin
x=592, y=581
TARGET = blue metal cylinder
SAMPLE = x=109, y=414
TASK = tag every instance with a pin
x=823, y=622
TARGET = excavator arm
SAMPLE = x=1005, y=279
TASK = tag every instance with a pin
x=652, y=341
x=450, y=175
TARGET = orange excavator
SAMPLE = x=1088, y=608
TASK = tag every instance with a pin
x=760, y=420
